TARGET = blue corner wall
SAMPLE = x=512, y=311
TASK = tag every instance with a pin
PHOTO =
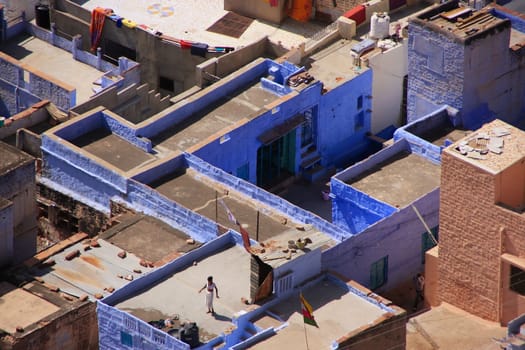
x=399, y=237
x=443, y=117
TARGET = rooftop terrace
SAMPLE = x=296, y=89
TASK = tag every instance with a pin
x=463, y=23
x=331, y=305
x=54, y=62
x=113, y=149
x=11, y=158
x=20, y=307
x=400, y=180
x=494, y=147
x=246, y=103
x=189, y=189
x=189, y=20
x=178, y=293
x=148, y=238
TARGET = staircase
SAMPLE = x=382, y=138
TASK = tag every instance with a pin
x=311, y=168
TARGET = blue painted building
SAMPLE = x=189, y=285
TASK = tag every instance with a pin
x=477, y=69
x=390, y=201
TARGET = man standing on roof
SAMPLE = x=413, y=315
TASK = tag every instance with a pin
x=210, y=287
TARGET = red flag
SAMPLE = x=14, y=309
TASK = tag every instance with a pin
x=308, y=313
x=245, y=238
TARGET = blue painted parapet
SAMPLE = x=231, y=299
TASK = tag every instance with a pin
x=265, y=197
x=126, y=130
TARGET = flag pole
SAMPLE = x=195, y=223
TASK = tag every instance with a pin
x=216, y=209
x=257, y=230
x=305, y=336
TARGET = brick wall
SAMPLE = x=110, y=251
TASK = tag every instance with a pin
x=72, y=328
x=469, y=247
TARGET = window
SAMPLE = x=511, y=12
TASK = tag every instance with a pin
x=427, y=242
x=359, y=121
x=166, y=84
x=517, y=280
x=126, y=339
x=379, y=273
x=359, y=102
x=243, y=172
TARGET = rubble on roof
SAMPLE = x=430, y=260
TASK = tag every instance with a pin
x=481, y=143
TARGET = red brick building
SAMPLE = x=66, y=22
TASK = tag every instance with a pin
x=482, y=223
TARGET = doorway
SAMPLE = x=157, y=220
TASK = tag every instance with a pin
x=276, y=161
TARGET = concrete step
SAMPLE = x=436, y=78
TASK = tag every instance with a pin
x=311, y=161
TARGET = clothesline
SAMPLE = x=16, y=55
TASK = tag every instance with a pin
x=99, y=14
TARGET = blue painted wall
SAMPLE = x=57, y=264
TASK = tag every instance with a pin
x=398, y=236
x=435, y=71
x=482, y=78
x=338, y=138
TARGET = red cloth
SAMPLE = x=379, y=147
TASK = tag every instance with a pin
x=358, y=14
x=185, y=44
x=245, y=238
x=98, y=16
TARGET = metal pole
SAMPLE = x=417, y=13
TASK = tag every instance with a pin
x=257, y=229
x=216, y=209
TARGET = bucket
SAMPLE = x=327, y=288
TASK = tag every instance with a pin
x=42, y=16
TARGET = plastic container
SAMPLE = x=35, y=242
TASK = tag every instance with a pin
x=42, y=16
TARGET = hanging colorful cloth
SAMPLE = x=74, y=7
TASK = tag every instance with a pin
x=98, y=16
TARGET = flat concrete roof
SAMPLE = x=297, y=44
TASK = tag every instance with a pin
x=246, y=103
x=512, y=150
x=113, y=149
x=189, y=189
x=11, y=158
x=148, y=238
x=336, y=311
x=399, y=180
x=54, y=62
x=93, y=271
x=19, y=307
x=178, y=294
x=189, y=20
x=447, y=327
x=334, y=64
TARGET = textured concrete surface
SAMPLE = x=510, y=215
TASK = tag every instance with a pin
x=148, y=238
x=54, y=62
x=447, y=327
x=336, y=311
x=113, y=149
x=178, y=294
x=399, y=180
x=189, y=20
x=225, y=112
x=21, y=308
x=187, y=190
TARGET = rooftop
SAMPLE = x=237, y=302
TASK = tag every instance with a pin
x=148, y=238
x=189, y=189
x=112, y=149
x=462, y=23
x=337, y=311
x=20, y=307
x=177, y=294
x=12, y=158
x=443, y=132
x=399, y=180
x=189, y=20
x=55, y=62
x=494, y=147
x=246, y=103
x=87, y=269
x=334, y=64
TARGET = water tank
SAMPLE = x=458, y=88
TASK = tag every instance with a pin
x=42, y=16
x=379, y=25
